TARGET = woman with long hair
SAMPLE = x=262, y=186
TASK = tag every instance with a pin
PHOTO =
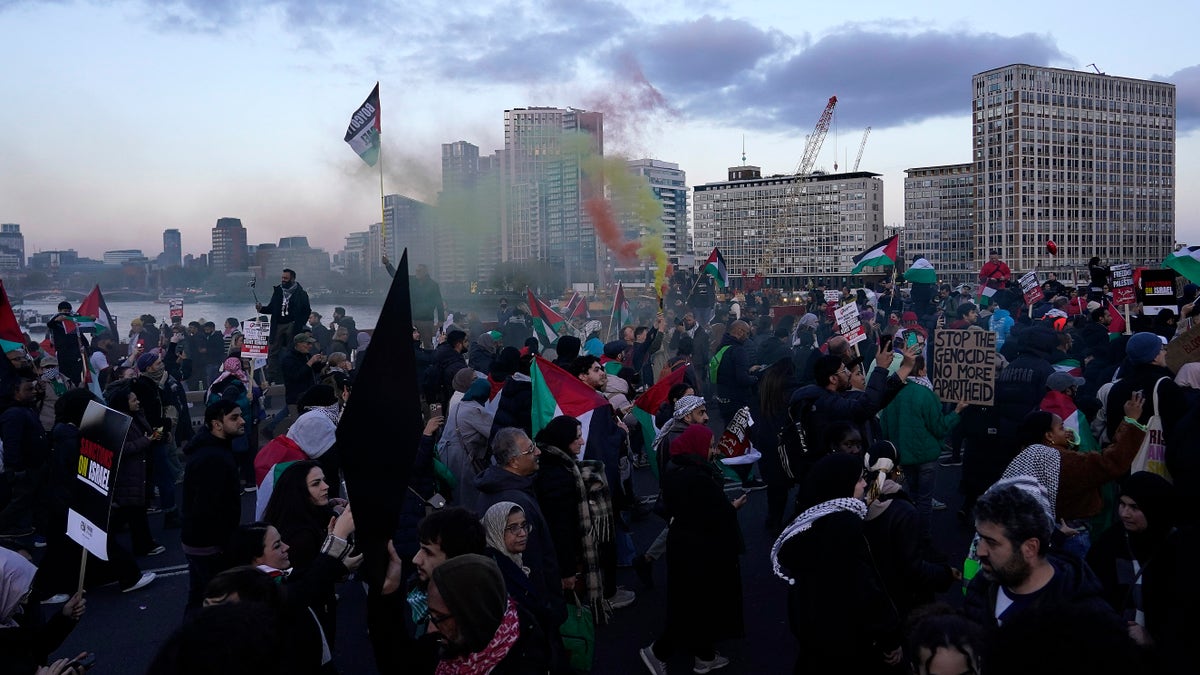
x=129, y=492
x=774, y=391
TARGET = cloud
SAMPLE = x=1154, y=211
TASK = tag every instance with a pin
x=1187, y=96
x=683, y=55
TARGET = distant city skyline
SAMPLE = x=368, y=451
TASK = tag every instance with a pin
x=256, y=125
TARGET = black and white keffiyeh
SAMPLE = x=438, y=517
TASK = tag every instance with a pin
x=1044, y=464
x=805, y=520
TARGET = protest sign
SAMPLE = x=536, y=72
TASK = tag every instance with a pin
x=832, y=295
x=1158, y=290
x=256, y=338
x=1122, y=284
x=1031, y=288
x=849, y=324
x=102, y=435
x=176, y=309
x=1184, y=349
x=964, y=366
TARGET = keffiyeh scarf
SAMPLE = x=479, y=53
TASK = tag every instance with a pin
x=484, y=660
x=804, y=522
x=1042, y=463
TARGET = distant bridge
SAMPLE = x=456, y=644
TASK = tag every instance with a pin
x=74, y=297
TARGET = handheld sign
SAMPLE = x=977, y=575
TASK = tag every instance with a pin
x=1122, y=284
x=849, y=324
x=1158, y=291
x=964, y=366
x=1184, y=349
x=256, y=336
x=176, y=308
x=1031, y=288
x=102, y=435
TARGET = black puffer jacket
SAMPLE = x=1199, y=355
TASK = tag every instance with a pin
x=1073, y=583
x=211, y=507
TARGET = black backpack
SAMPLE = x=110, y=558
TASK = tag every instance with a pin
x=792, y=444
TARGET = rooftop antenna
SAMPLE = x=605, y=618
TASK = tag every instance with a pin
x=743, y=149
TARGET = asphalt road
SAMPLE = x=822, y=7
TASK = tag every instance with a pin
x=125, y=630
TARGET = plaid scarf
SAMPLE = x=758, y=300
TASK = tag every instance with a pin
x=486, y=659
x=595, y=517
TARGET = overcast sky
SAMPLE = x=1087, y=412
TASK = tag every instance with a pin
x=121, y=119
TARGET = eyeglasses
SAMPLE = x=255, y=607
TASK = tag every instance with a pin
x=435, y=618
x=517, y=528
x=532, y=449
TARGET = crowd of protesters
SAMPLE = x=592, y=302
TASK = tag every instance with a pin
x=508, y=535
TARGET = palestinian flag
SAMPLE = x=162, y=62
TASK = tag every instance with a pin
x=94, y=308
x=1186, y=261
x=621, y=316
x=363, y=132
x=646, y=406
x=1117, y=324
x=11, y=337
x=266, y=487
x=577, y=307
x=715, y=266
x=921, y=272
x=547, y=323
x=1071, y=367
x=985, y=291
x=882, y=254
x=1060, y=404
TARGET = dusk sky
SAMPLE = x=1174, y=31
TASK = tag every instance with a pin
x=121, y=119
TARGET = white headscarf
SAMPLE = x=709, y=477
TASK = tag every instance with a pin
x=16, y=579
x=494, y=521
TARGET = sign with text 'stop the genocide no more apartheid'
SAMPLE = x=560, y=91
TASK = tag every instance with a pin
x=964, y=366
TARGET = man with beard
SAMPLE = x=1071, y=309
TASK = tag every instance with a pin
x=1018, y=572
x=66, y=343
x=480, y=628
x=289, y=310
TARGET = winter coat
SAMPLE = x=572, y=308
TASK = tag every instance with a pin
x=481, y=353
x=130, y=485
x=817, y=407
x=298, y=376
x=446, y=362
x=1073, y=584
x=496, y=484
x=1143, y=377
x=412, y=508
x=28, y=645
x=22, y=438
x=212, y=489
x=515, y=407
x=465, y=448
x=704, y=542
x=558, y=495
x=298, y=310
x=735, y=382
x=914, y=422
x=838, y=609
x=1083, y=474
x=894, y=534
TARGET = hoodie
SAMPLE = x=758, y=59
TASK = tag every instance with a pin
x=1000, y=324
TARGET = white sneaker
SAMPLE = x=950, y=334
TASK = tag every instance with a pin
x=654, y=665
x=56, y=599
x=621, y=599
x=716, y=663
x=147, y=577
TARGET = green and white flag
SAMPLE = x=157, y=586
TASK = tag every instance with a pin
x=363, y=132
x=921, y=272
x=1186, y=261
x=880, y=255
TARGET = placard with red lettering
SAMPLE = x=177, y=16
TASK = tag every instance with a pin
x=102, y=435
x=849, y=324
x=255, y=339
x=176, y=308
x=1158, y=290
x=1122, y=284
x=1031, y=288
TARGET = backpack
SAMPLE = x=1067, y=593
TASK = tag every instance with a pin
x=714, y=363
x=792, y=445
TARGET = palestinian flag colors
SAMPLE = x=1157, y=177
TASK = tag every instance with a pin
x=646, y=406
x=1186, y=261
x=715, y=267
x=985, y=291
x=94, y=308
x=577, y=307
x=11, y=337
x=266, y=487
x=363, y=132
x=882, y=254
x=921, y=272
x=557, y=392
x=547, y=323
x=621, y=316
x=1073, y=419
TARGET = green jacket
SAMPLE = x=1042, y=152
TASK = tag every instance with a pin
x=914, y=422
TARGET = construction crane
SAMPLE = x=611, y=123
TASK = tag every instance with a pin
x=817, y=139
x=861, y=146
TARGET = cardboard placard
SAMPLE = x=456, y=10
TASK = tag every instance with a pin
x=849, y=324
x=102, y=436
x=176, y=308
x=1158, y=290
x=1031, y=288
x=1122, y=284
x=1184, y=349
x=965, y=366
x=256, y=338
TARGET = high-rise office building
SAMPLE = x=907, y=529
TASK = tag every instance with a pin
x=122, y=256
x=408, y=224
x=791, y=229
x=668, y=184
x=467, y=216
x=939, y=219
x=12, y=247
x=172, y=255
x=1084, y=159
x=229, y=253
x=543, y=189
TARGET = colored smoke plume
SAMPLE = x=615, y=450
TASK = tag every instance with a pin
x=630, y=103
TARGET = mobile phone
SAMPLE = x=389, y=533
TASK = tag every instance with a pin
x=435, y=410
x=86, y=662
x=910, y=338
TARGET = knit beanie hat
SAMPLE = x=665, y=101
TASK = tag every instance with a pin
x=1143, y=347
x=473, y=589
x=696, y=440
x=615, y=348
x=463, y=379
x=146, y=360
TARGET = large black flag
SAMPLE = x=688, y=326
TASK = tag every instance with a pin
x=379, y=431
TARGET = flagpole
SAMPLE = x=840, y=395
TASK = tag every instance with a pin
x=382, y=202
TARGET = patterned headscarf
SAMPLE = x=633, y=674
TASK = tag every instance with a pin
x=232, y=367
x=1042, y=463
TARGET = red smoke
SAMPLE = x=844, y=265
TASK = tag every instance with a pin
x=629, y=102
x=609, y=231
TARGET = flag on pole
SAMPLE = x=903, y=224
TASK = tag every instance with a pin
x=985, y=291
x=1186, y=261
x=547, y=323
x=384, y=398
x=363, y=132
x=880, y=255
x=921, y=272
x=577, y=307
x=620, y=315
x=94, y=307
x=715, y=266
x=1073, y=419
x=11, y=337
x=646, y=406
